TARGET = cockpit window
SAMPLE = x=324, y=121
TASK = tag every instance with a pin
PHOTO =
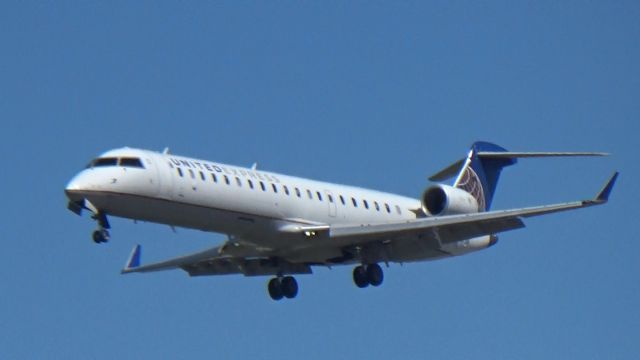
x=108, y=161
x=112, y=161
x=131, y=162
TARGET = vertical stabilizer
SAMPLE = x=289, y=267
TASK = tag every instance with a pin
x=479, y=175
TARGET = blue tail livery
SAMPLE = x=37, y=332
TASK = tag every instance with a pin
x=479, y=172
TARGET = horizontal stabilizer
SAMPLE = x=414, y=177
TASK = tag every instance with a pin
x=453, y=169
x=515, y=155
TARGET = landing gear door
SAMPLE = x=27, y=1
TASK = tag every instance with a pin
x=331, y=200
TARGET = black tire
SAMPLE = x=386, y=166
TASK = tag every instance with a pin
x=275, y=289
x=360, y=277
x=289, y=287
x=375, y=274
x=97, y=237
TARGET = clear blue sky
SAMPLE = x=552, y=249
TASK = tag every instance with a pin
x=366, y=93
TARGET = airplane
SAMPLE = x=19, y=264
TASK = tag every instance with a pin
x=280, y=226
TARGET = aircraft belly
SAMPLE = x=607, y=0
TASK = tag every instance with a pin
x=180, y=214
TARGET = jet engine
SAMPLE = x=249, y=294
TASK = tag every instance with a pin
x=447, y=200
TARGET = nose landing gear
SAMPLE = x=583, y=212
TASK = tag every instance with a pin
x=101, y=235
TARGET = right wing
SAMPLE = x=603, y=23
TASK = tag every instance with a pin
x=218, y=261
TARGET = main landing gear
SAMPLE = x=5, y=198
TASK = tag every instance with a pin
x=280, y=287
x=287, y=287
x=365, y=275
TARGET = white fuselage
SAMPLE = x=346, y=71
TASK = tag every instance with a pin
x=244, y=203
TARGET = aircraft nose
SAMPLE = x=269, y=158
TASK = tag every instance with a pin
x=73, y=185
x=76, y=186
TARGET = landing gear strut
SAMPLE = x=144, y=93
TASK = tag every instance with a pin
x=280, y=287
x=365, y=275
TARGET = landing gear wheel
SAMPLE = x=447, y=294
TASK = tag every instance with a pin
x=275, y=289
x=360, y=277
x=289, y=287
x=375, y=274
x=100, y=236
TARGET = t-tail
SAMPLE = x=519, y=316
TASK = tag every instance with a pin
x=478, y=175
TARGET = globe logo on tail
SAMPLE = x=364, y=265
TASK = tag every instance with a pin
x=470, y=182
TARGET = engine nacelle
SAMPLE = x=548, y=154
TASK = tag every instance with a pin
x=447, y=200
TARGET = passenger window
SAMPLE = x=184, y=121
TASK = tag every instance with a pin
x=180, y=172
x=262, y=186
x=388, y=208
x=342, y=200
x=355, y=203
x=319, y=195
x=238, y=181
x=275, y=189
x=375, y=203
x=286, y=189
x=193, y=176
x=214, y=178
x=226, y=180
x=398, y=210
x=131, y=162
x=366, y=204
x=330, y=198
x=297, y=192
x=309, y=194
x=202, y=175
x=250, y=183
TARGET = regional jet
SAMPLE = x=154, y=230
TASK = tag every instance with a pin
x=280, y=226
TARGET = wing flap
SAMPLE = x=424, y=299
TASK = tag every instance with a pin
x=454, y=233
x=247, y=267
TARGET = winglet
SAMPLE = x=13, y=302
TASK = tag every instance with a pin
x=603, y=195
x=133, y=261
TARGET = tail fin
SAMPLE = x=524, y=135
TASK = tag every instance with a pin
x=478, y=174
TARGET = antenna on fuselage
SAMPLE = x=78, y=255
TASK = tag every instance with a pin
x=165, y=151
x=254, y=166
